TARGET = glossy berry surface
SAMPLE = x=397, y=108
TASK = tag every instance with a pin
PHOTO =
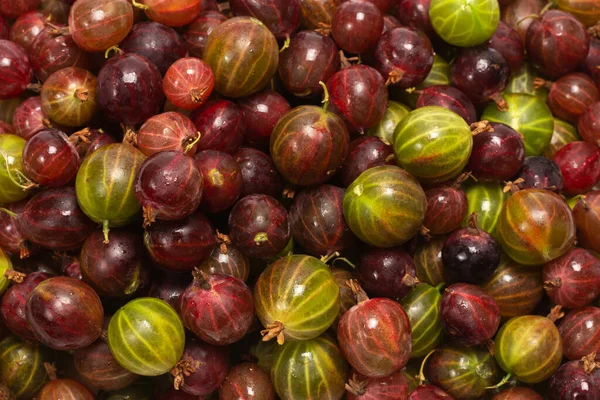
x=15, y=69
x=450, y=98
x=222, y=180
x=589, y=124
x=197, y=32
x=258, y=173
x=386, y=272
x=261, y=112
x=65, y=313
x=579, y=332
x=246, y=380
x=579, y=164
x=259, y=225
x=221, y=125
x=540, y=173
x=470, y=255
x=280, y=16
x=188, y=83
x=356, y=25
x=447, y=207
x=169, y=186
x=365, y=152
x=470, y=316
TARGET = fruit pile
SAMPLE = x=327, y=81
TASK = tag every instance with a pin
x=299, y=199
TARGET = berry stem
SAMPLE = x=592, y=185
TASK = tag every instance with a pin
x=500, y=102
x=201, y=279
x=325, y=100
x=223, y=241
x=556, y=313
x=273, y=330
x=139, y=5
x=421, y=373
x=116, y=49
x=82, y=95
x=359, y=293
x=185, y=367
x=502, y=382
x=50, y=370
x=325, y=259
x=80, y=136
x=106, y=230
x=190, y=141
x=286, y=44
x=480, y=127
x=149, y=216
x=14, y=276
x=540, y=83
x=356, y=386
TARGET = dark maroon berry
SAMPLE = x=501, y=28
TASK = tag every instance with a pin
x=197, y=32
x=573, y=280
x=470, y=255
x=450, y=98
x=589, y=124
x=556, y=43
x=592, y=61
x=258, y=173
x=14, y=303
x=223, y=180
x=507, y=42
x=580, y=332
x=50, y=159
x=259, y=226
x=393, y=387
x=386, y=272
x=160, y=44
x=120, y=88
x=282, y=17
x=212, y=367
x=365, y=152
x=244, y=381
x=180, y=245
x=541, y=173
x=53, y=219
x=311, y=58
x=317, y=221
x=481, y=73
x=570, y=95
x=221, y=125
x=114, y=268
x=404, y=56
x=469, y=316
x=12, y=239
x=356, y=25
x=390, y=22
x=579, y=164
x=219, y=309
x=169, y=288
x=498, y=152
x=29, y=118
x=447, y=207
x=169, y=186
x=575, y=380
x=358, y=95
x=261, y=111
x=415, y=13
x=429, y=392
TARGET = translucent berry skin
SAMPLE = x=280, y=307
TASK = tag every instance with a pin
x=580, y=332
x=221, y=124
x=169, y=185
x=359, y=95
x=122, y=81
x=180, y=246
x=14, y=8
x=172, y=12
x=222, y=180
x=393, y=387
x=160, y=44
x=572, y=381
x=357, y=25
x=245, y=381
x=50, y=159
x=29, y=118
x=383, y=272
x=415, y=13
x=53, y=219
x=51, y=53
x=571, y=95
x=311, y=57
x=261, y=112
x=282, y=17
x=404, y=56
x=480, y=73
x=469, y=316
x=497, y=155
x=450, y=98
x=579, y=164
x=167, y=131
x=556, y=43
x=259, y=225
x=364, y=152
x=589, y=124
x=96, y=26
x=188, y=83
x=258, y=173
x=507, y=42
x=197, y=32
x=219, y=309
x=25, y=29
x=15, y=70
x=572, y=281
x=447, y=207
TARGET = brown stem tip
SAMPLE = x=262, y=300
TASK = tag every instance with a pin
x=394, y=77
x=14, y=276
x=540, y=83
x=197, y=95
x=23, y=251
x=289, y=192
x=553, y=284
x=50, y=370
x=201, y=279
x=185, y=367
x=223, y=241
x=82, y=95
x=480, y=127
x=129, y=135
x=274, y=330
x=473, y=221
x=556, y=313
x=513, y=186
x=356, y=386
x=410, y=281
x=149, y=216
x=500, y=102
x=81, y=136
x=359, y=293
x=590, y=363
